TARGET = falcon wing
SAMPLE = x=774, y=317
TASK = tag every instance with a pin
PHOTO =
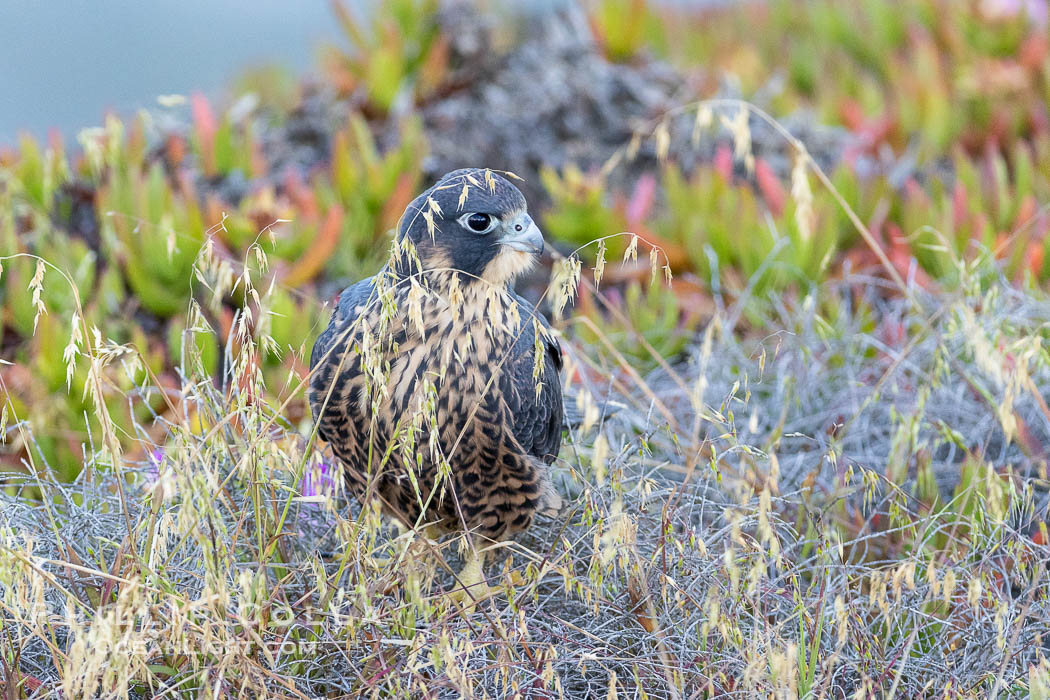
x=537, y=417
x=323, y=359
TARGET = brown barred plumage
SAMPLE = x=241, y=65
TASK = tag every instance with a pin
x=430, y=367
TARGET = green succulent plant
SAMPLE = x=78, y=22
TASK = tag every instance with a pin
x=624, y=28
x=193, y=349
x=372, y=188
x=156, y=233
x=37, y=173
x=938, y=72
x=580, y=212
x=223, y=145
x=652, y=311
x=400, y=49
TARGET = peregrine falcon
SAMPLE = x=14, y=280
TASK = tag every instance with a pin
x=435, y=384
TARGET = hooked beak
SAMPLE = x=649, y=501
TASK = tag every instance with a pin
x=523, y=235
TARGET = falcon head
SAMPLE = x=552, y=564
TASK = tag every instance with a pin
x=475, y=222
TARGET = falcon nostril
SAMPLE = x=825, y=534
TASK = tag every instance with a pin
x=518, y=227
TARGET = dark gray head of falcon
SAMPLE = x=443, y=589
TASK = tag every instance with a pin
x=472, y=221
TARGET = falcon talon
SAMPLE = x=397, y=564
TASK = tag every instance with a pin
x=431, y=367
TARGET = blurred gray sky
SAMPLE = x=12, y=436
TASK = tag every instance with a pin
x=63, y=63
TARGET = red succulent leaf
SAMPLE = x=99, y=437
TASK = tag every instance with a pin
x=769, y=184
x=724, y=162
x=302, y=196
x=206, y=126
x=641, y=201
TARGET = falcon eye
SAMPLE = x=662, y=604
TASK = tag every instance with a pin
x=478, y=222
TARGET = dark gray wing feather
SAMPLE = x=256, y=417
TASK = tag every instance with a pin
x=537, y=418
x=346, y=312
x=325, y=362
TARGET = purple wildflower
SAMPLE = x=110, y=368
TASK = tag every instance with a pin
x=151, y=469
x=319, y=479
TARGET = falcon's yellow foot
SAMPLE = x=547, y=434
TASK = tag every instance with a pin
x=472, y=588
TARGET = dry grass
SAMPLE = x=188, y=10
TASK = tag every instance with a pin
x=782, y=561
x=847, y=506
